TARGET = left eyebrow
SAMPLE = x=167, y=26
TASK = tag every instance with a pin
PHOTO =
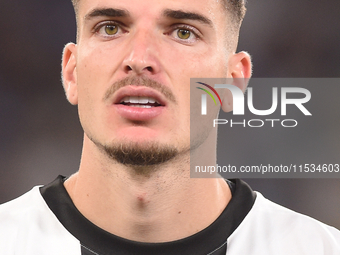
x=178, y=14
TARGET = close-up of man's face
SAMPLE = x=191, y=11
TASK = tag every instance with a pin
x=157, y=44
x=170, y=141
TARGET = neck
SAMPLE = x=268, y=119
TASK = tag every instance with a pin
x=158, y=206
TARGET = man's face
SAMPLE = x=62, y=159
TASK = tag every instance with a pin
x=134, y=61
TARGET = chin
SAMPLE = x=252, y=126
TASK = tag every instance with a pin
x=144, y=153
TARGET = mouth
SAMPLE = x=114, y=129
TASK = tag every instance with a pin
x=139, y=103
x=137, y=96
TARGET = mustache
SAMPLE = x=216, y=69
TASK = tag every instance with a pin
x=140, y=81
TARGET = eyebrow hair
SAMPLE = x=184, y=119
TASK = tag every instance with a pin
x=107, y=12
x=178, y=14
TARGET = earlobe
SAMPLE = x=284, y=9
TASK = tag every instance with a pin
x=240, y=69
x=69, y=74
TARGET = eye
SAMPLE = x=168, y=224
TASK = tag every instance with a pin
x=111, y=29
x=108, y=29
x=183, y=34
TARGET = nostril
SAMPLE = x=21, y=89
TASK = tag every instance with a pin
x=128, y=68
x=138, y=68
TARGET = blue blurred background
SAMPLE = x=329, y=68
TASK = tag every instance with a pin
x=40, y=135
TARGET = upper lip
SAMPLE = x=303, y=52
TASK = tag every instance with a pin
x=138, y=91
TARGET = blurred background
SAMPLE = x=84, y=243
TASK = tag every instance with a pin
x=40, y=135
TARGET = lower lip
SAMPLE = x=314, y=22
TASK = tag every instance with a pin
x=138, y=113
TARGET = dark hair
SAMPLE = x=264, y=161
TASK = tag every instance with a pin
x=235, y=7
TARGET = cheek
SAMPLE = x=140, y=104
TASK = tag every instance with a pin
x=91, y=64
x=200, y=65
x=94, y=72
x=91, y=85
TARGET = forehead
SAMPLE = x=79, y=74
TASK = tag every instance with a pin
x=213, y=9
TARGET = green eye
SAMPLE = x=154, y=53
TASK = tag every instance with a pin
x=183, y=34
x=111, y=29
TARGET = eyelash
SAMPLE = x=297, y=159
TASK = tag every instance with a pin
x=195, y=32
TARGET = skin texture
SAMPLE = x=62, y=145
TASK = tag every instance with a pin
x=156, y=203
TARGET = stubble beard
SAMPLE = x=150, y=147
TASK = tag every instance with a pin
x=138, y=154
x=143, y=155
x=148, y=154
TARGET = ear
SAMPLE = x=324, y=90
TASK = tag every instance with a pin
x=240, y=69
x=69, y=74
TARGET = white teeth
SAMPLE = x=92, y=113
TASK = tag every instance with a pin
x=125, y=100
x=143, y=100
x=138, y=100
x=134, y=100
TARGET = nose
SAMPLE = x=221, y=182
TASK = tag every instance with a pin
x=142, y=56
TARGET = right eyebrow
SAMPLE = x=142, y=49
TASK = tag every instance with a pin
x=106, y=12
x=179, y=14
